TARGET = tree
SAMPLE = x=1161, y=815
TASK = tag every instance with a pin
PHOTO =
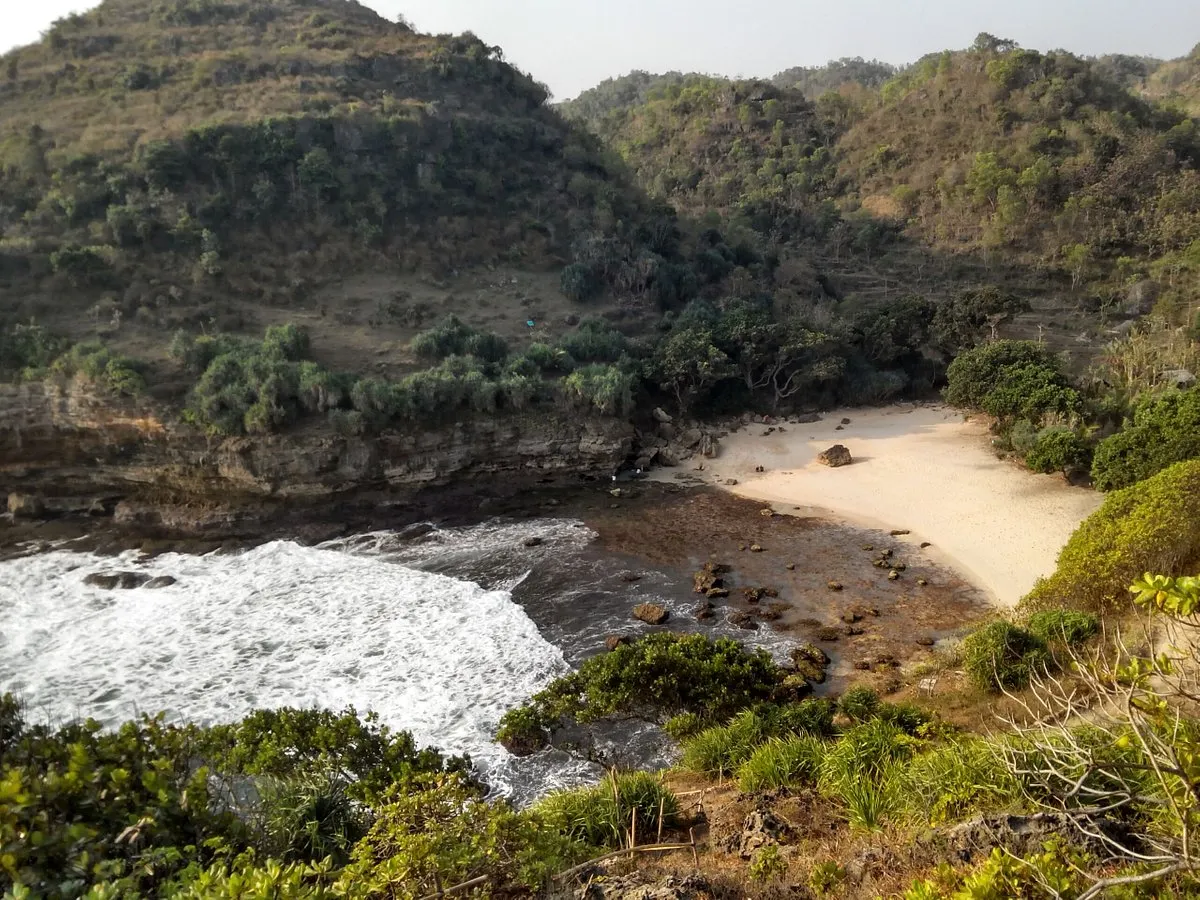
x=687, y=363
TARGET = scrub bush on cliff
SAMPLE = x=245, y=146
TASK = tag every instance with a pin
x=1165, y=430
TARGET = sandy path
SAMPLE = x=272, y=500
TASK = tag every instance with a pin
x=920, y=468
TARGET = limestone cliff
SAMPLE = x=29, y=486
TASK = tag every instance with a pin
x=63, y=439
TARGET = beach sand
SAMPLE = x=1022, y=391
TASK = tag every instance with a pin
x=919, y=468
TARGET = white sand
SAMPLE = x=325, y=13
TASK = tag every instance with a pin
x=920, y=468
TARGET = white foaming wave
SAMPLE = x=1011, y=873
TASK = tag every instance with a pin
x=279, y=625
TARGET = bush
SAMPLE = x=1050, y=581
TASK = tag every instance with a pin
x=1165, y=430
x=1063, y=625
x=977, y=373
x=595, y=341
x=1153, y=526
x=452, y=337
x=1058, y=450
x=27, y=350
x=1029, y=392
x=579, y=282
x=550, y=360
x=781, y=763
x=683, y=726
x=950, y=783
x=111, y=371
x=863, y=753
x=606, y=389
x=654, y=678
x=1002, y=655
x=602, y=816
x=858, y=704
x=767, y=864
x=425, y=840
x=906, y=716
x=310, y=817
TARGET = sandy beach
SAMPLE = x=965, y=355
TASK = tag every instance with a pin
x=919, y=468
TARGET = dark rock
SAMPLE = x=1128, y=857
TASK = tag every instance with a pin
x=807, y=419
x=925, y=642
x=791, y=567
x=845, y=421
x=862, y=665
x=651, y=613
x=716, y=593
x=731, y=482
x=925, y=544
x=416, y=530
x=1140, y=298
x=834, y=585
x=1023, y=835
x=853, y=630
x=613, y=641
x=741, y=619
x=161, y=581
x=98, y=510
x=893, y=575
x=922, y=582
x=762, y=828
x=638, y=886
x=114, y=580
x=810, y=653
x=662, y=417
x=631, y=577
x=1181, y=379
x=26, y=506
x=851, y=616
x=900, y=532
x=703, y=612
x=828, y=633
x=104, y=582
x=835, y=456
x=534, y=542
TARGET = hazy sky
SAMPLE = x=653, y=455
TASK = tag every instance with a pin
x=572, y=44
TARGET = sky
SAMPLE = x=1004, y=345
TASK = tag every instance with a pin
x=573, y=44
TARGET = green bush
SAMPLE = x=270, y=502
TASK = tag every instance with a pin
x=684, y=725
x=452, y=337
x=1165, y=431
x=579, y=282
x=781, y=763
x=1066, y=626
x=1058, y=450
x=425, y=840
x=595, y=341
x=604, y=814
x=1003, y=655
x=977, y=373
x=607, y=389
x=27, y=350
x=865, y=752
x=551, y=360
x=859, y=704
x=952, y=782
x=1030, y=392
x=908, y=717
x=767, y=864
x=111, y=371
x=310, y=817
x=654, y=678
x=1153, y=526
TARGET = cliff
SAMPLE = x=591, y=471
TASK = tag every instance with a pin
x=72, y=445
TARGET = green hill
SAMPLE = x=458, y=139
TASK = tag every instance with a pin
x=815, y=81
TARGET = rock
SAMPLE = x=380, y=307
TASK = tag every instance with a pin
x=1179, y=378
x=661, y=416
x=26, y=506
x=834, y=585
x=853, y=630
x=840, y=428
x=925, y=642
x=731, y=481
x=893, y=575
x=761, y=828
x=1140, y=298
x=791, y=567
x=667, y=432
x=630, y=577
x=922, y=582
x=886, y=554
x=899, y=532
x=925, y=544
x=741, y=619
x=869, y=548
x=691, y=438
x=835, y=456
x=97, y=509
x=756, y=548
x=807, y=419
x=759, y=469
x=709, y=447
x=651, y=613
x=414, y=531
x=774, y=611
x=862, y=665
x=638, y=887
x=613, y=641
x=709, y=577
x=534, y=542
x=716, y=593
x=161, y=581
x=828, y=634
x=114, y=580
x=809, y=653
x=900, y=567
x=1023, y=835
x=766, y=512
x=845, y=421
x=616, y=492
x=851, y=616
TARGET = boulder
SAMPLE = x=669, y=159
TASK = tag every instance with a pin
x=161, y=581
x=638, y=887
x=742, y=619
x=113, y=580
x=691, y=438
x=807, y=419
x=534, y=541
x=709, y=447
x=1181, y=379
x=104, y=582
x=1140, y=298
x=662, y=417
x=416, y=530
x=26, y=506
x=835, y=456
x=760, y=829
x=613, y=641
x=651, y=613
x=667, y=431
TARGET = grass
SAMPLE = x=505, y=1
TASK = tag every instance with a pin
x=608, y=814
x=781, y=763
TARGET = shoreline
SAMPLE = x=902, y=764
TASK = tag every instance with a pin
x=918, y=468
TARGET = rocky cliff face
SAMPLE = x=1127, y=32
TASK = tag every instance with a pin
x=65, y=441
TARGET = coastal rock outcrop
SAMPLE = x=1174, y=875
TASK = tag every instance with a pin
x=26, y=506
x=111, y=581
x=836, y=456
x=651, y=613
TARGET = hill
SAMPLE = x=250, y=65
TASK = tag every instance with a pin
x=815, y=81
x=180, y=163
x=1176, y=82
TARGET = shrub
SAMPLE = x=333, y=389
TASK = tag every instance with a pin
x=452, y=337
x=579, y=282
x=767, y=864
x=444, y=834
x=1064, y=625
x=1165, y=430
x=952, y=782
x=684, y=725
x=858, y=704
x=1058, y=450
x=288, y=342
x=905, y=716
x=869, y=802
x=111, y=371
x=975, y=374
x=865, y=752
x=654, y=678
x=1030, y=392
x=1153, y=526
x=29, y=349
x=1003, y=655
x=595, y=341
x=721, y=750
x=781, y=763
x=826, y=877
x=606, y=389
x=602, y=815
x=310, y=817
x=549, y=359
